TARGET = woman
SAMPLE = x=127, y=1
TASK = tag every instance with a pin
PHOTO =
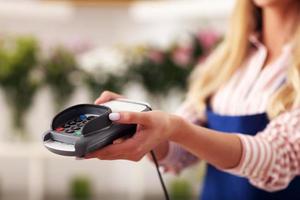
x=249, y=87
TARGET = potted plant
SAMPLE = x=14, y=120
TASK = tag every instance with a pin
x=80, y=188
x=60, y=69
x=18, y=66
x=181, y=189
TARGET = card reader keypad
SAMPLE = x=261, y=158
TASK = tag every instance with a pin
x=74, y=126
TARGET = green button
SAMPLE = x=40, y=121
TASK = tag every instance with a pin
x=77, y=133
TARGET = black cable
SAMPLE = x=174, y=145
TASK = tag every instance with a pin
x=160, y=176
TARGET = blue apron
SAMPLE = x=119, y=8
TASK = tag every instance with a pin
x=220, y=185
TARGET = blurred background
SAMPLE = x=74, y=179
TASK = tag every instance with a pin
x=54, y=54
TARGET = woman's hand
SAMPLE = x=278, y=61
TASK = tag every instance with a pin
x=107, y=96
x=154, y=128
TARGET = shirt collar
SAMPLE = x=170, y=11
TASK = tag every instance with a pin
x=255, y=40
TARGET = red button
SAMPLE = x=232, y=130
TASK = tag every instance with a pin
x=59, y=129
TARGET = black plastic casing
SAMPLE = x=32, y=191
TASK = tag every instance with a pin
x=96, y=134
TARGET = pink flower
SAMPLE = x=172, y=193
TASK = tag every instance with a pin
x=78, y=45
x=208, y=39
x=182, y=56
x=156, y=56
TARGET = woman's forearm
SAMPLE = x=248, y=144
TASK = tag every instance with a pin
x=219, y=149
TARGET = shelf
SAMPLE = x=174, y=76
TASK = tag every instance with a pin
x=101, y=3
x=35, y=9
x=140, y=10
x=155, y=11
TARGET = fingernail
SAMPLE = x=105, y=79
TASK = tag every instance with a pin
x=114, y=116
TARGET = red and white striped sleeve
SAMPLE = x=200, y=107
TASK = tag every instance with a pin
x=178, y=158
x=271, y=159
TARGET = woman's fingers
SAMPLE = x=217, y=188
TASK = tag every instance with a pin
x=107, y=96
x=119, y=141
x=141, y=118
x=114, y=150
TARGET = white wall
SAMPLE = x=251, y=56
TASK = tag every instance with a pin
x=26, y=166
x=53, y=22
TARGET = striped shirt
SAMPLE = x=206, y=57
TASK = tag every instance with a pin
x=271, y=158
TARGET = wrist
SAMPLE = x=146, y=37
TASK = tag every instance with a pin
x=161, y=151
x=179, y=127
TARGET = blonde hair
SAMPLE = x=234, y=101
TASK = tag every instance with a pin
x=231, y=54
